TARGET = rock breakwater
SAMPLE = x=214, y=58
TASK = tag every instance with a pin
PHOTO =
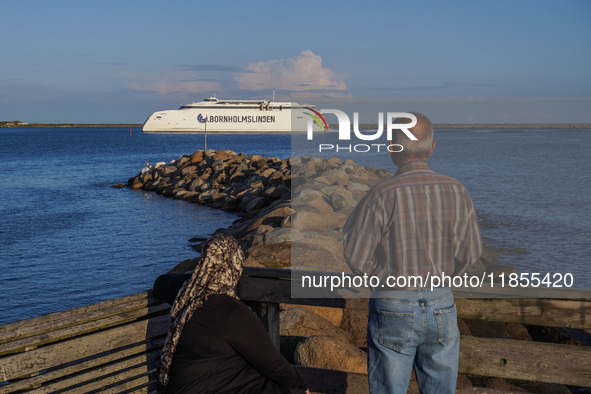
x=303, y=201
x=221, y=179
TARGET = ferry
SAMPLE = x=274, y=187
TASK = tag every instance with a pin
x=234, y=116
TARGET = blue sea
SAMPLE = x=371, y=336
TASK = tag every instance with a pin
x=69, y=239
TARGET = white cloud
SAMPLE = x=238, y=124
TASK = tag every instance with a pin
x=173, y=83
x=302, y=73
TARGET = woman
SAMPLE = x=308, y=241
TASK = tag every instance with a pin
x=216, y=344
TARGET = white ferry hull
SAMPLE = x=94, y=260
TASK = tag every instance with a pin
x=231, y=116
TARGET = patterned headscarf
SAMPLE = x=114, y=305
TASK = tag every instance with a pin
x=218, y=273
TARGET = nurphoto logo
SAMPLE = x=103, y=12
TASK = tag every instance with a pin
x=345, y=130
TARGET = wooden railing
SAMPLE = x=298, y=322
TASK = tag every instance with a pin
x=114, y=346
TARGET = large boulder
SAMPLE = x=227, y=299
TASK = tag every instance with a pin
x=276, y=215
x=331, y=352
x=321, y=253
x=310, y=221
x=304, y=323
x=284, y=234
x=333, y=315
x=273, y=256
x=297, y=324
x=354, y=323
x=321, y=206
x=197, y=156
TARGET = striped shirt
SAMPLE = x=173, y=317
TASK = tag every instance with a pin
x=416, y=223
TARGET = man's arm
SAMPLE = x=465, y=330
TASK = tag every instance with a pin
x=361, y=235
x=469, y=241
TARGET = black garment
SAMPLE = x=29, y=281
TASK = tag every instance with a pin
x=224, y=348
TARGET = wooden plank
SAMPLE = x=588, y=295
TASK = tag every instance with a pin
x=571, y=313
x=526, y=360
x=137, y=384
x=23, y=364
x=10, y=327
x=521, y=292
x=78, y=319
x=106, y=375
x=544, y=312
x=263, y=290
x=273, y=273
x=37, y=381
x=497, y=291
x=279, y=291
x=73, y=331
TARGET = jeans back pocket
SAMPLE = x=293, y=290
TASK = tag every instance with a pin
x=395, y=329
x=447, y=325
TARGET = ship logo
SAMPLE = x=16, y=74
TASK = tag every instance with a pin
x=201, y=118
x=317, y=116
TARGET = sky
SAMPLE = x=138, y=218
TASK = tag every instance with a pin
x=119, y=61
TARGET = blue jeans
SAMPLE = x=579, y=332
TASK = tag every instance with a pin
x=413, y=329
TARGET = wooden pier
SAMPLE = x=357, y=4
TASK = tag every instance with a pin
x=114, y=346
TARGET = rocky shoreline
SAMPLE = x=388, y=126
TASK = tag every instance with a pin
x=306, y=201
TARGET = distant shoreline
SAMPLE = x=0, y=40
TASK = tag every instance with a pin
x=57, y=125
x=515, y=126
x=442, y=126
x=501, y=126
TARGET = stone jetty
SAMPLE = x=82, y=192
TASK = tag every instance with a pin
x=304, y=201
x=221, y=179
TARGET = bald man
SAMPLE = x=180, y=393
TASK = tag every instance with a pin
x=413, y=226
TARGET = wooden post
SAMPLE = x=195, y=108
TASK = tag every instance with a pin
x=268, y=312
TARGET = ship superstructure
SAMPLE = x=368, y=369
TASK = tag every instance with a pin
x=231, y=116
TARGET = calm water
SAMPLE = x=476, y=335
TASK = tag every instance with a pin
x=531, y=189
x=69, y=239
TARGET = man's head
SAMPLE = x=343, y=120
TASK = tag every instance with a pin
x=414, y=150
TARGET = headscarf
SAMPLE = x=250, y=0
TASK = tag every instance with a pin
x=218, y=273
